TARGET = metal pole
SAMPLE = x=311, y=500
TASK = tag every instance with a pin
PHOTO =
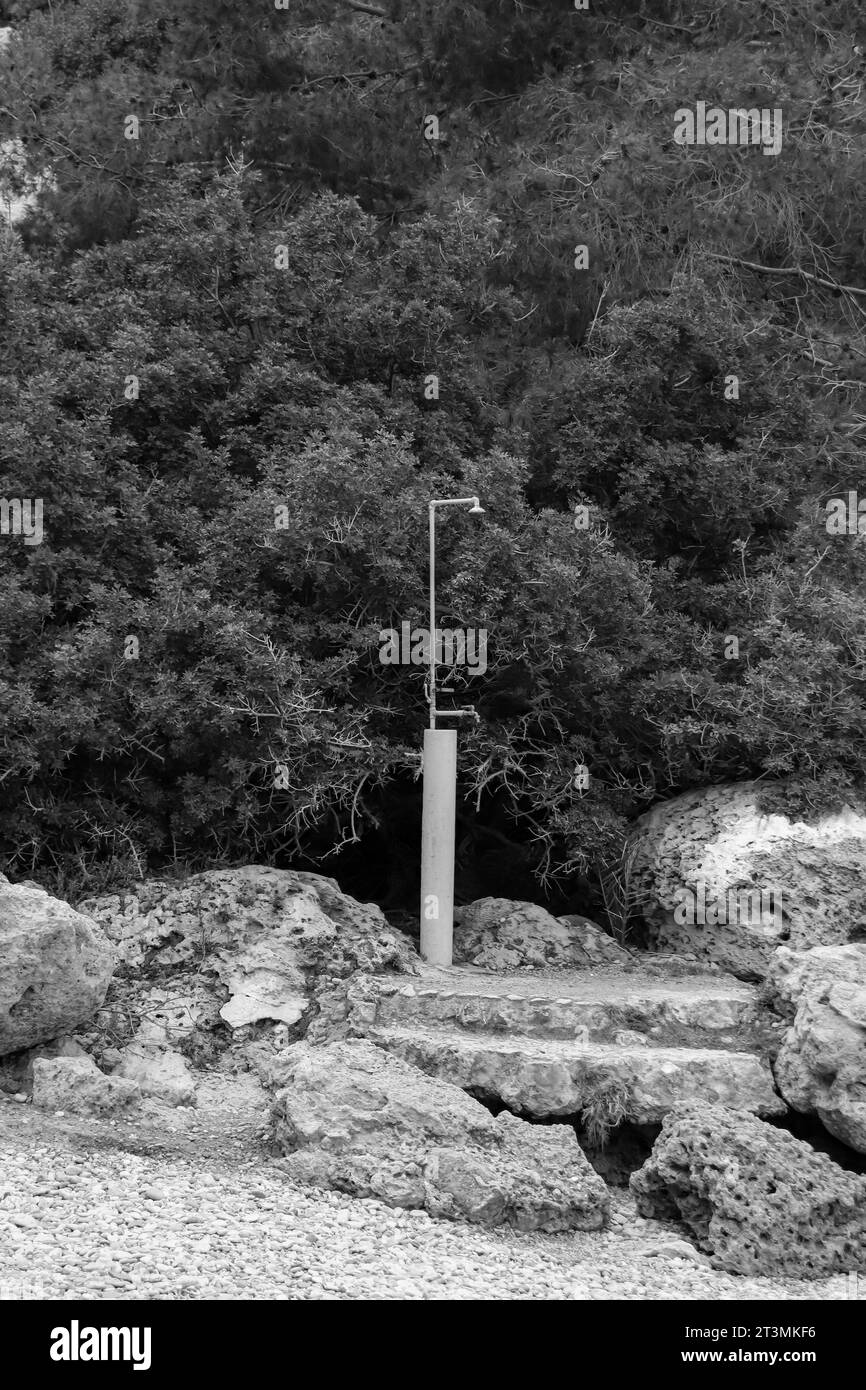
x=439, y=800
x=439, y=808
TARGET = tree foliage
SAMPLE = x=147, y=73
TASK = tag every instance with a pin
x=298, y=389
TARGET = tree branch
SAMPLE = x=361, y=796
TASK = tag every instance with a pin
x=787, y=270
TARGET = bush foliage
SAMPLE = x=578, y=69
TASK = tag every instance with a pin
x=303, y=389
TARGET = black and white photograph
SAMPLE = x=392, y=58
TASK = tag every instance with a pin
x=432, y=670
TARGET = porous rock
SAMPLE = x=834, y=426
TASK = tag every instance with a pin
x=716, y=844
x=752, y=1196
x=268, y=936
x=500, y=934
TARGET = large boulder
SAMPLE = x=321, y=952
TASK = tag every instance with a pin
x=501, y=935
x=56, y=966
x=719, y=879
x=752, y=1196
x=351, y=1117
x=267, y=936
x=821, y=1066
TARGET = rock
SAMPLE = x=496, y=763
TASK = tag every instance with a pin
x=501, y=935
x=536, y=1180
x=260, y=994
x=755, y=1198
x=355, y=1119
x=58, y=1047
x=626, y=1009
x=568, y=1077
x=185, y=1004
x=56, y=967
x=16, y=1070
x=821, y=1066
x=670, y=967
x=597, y=945
x=158, y=1069
x=342, y=1092
x=674, y=1250
x=267, y=936
x=702, y=861
x=77, y=1086
x=793, y=974
x=389, y=1176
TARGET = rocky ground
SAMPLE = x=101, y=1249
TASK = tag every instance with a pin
x=188, y=1204
x=195, y=1075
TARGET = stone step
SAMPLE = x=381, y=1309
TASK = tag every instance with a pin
x=538, y=1077
x=693, y=1012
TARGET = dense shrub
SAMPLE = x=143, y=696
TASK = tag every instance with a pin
x=257, y=720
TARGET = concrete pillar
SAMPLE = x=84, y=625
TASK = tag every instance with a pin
x=437, y=845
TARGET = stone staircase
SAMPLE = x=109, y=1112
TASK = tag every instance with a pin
x=548, y=1045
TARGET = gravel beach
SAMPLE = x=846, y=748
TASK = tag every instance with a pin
x=187, y=1205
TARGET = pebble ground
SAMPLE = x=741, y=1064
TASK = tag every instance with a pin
x=173, y=1208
